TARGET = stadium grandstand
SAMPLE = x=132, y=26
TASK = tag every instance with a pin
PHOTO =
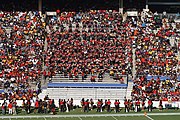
x=78, y=52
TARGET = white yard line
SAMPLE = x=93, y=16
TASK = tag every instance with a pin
x=80, y=118
x=149, y=117
x=44, y=118
x=114, y=118
x=81, y=115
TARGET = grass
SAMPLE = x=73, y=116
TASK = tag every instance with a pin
x=165, y=117
x=159, y=117
x=89, y=118
x=174, y=117
x=78, y=111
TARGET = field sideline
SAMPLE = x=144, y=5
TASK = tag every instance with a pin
x=136, y=116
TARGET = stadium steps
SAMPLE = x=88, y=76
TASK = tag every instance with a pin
x=129, y=89
x=134, y=63
x=42, y=94
x=62, y=78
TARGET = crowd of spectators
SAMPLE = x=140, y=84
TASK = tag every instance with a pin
x=21, y=48
x=156, y=89
x=156, y=55
x=91, y=42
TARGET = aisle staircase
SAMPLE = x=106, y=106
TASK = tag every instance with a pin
x=129, y=89
x=42, y=94
x=130, y=82
x=106, y=79
x=134, y=63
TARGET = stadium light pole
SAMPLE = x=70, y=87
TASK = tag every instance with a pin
x=40, y=6
x=121, y=6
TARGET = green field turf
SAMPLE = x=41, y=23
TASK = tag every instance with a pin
x=78, y=114
x=154, y=117
x=89, y=118
x=175, y=117
x=79, y=111
x=165, y=117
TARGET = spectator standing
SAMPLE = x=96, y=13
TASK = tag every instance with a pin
x=108, y=105
x=36, y=106
x=150, y=105
x=61, y=103
x=99, y=105
x=82, y=103
x=105, y=105
x=64, y=105
x=40, y=106
x=28, y=106
x=116, y=104
x=160, y=105
x=45, y=107
x=131, y=105
x=126, y=105
x=143, y=105
x=68, y=105
x=3, y=109
x=91, y=103
x=14, y=108
x=5, y=106
x=137, y=104
x=10, y=106
x=53, y=107
x=86, y=106
x=71, y=104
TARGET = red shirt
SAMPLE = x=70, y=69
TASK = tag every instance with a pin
x=36, y=104
x=10, y=105
x=116, y=103
x=149, y=102
x=109, y=102
x=61, y=102
x=99, y=103
x=126, y=103
x=138, y=103
x=86, y=103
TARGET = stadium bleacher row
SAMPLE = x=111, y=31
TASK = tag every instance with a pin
x=93, y=46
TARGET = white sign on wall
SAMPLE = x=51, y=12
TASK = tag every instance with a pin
x=132, y=13
x=51, y=13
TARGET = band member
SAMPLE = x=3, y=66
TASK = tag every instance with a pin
x=160, y=105
x=130, y=105
x=86, y=106
x=82, y=103
x=116, y=104
x=36, y=106
x=91, y=103
x=99, y=106
x=108, y=105
x=61, y=104
x=126, y=105
x=143, y=104
x=137, y=109
x=150, y=105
